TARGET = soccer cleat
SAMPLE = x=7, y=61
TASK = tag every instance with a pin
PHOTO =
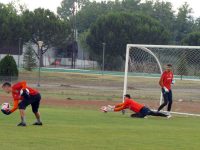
x=37, y=124
x=168, y=114
x=21, y=124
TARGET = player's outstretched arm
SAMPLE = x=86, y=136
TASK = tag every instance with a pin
x=116, y=108
x=119, y=105
x=15, y=106
x=120, y=108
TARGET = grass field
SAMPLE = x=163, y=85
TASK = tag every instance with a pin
x=85, y=128
x=75, y=129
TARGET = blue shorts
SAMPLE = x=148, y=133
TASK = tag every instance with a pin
x=145, y=111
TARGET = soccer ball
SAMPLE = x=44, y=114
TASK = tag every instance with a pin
x=104, y=109
x=5, y=106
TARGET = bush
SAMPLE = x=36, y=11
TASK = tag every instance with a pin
x=8, y=68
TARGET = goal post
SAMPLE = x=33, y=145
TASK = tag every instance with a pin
x=147, y=61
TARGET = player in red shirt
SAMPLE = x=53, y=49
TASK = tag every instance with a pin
x=165, y=82
x=22, y=97
x=140, y=110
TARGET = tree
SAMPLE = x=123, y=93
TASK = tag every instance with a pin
x=163, y=12
x=184, y=23
x=11, y=28
x=130, y=5
x=67, y=8
x=8, y=68
x=196, y=27
x=44, y=25
x=192, y=39
x=90, y=13
x=118, y=29
x=29, y=58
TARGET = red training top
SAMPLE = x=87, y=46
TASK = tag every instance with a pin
x=166, y=79
x=129, y=103
x=16, y=88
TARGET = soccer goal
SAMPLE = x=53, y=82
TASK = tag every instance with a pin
x=145, y=63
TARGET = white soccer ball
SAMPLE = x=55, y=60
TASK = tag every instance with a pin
x=5, y=106
x=104, y=109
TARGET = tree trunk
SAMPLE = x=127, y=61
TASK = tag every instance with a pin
x=72, y=61
x=41, y=61
x=40, y=56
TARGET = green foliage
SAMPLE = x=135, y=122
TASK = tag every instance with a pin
x=11, y=26
x=118, y=29
x=8, y=67
x=44, y=25
x=196, y=26
x=90, y=13
x=192, y=39
x=29, y=58
x=184, y=23
x=31, y=26
x=114, y=63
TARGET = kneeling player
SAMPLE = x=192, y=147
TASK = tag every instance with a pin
x=23, y=96
x=140, y=110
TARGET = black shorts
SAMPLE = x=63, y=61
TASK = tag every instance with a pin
x=34, y=100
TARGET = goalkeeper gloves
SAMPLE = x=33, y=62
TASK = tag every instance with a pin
x=108, y=108
x=6, y=112
x=173, y=81
x=166, y=90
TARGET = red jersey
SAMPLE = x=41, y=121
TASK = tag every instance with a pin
x=16, y=88
x=131, y=104
x=167, y=78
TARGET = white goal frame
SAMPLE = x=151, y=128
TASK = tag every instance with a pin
x=145, y=48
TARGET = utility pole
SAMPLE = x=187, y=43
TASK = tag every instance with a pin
x=19, y=51
x=103, y=60
x=40, y=44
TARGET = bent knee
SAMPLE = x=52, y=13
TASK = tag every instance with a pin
x=21, y=106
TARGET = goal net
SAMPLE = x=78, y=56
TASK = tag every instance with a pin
x=144, y=65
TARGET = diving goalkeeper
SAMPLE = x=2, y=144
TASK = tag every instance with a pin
x=140, y=110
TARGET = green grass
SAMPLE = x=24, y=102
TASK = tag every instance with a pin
x=75, y=129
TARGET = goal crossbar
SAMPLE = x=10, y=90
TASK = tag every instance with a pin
x=163, y=46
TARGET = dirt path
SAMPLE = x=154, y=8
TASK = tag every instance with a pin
x=185, y=106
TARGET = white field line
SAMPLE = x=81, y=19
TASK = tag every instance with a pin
x=180, y=113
